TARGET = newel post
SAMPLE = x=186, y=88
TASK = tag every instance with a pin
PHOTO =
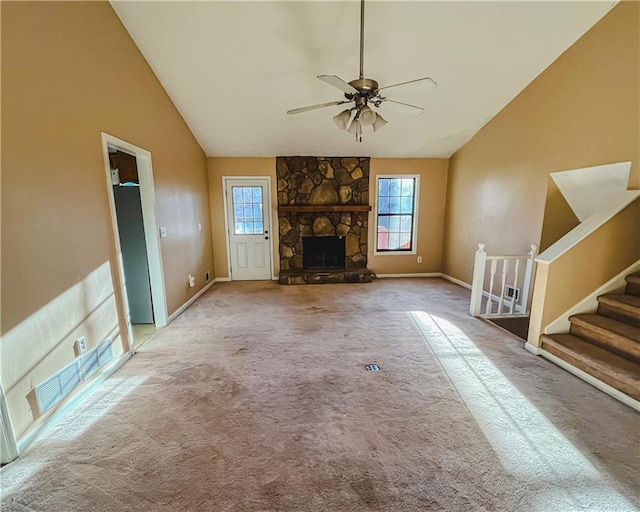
x=528, y=279
x=479, y=266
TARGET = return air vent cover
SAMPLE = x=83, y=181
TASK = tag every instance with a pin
x=55, y=388
x=52, y=390
x=96, y=358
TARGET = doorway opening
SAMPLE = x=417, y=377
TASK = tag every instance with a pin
x=132, y=200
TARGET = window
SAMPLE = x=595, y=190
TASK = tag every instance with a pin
x=247, y=211
x=396, y=209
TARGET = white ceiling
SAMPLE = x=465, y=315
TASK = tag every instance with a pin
x=234, y=68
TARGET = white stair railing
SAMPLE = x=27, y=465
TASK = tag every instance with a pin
x=507, y=299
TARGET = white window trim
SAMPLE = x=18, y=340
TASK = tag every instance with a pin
x=414, y=235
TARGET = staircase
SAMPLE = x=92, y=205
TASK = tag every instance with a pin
x=606, y=344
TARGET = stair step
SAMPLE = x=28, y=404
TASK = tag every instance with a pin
x=633, y=284
x=610, y=334
x=624, y=308
x=612, y=369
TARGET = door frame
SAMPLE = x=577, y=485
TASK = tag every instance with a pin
x=151, y=231
x=226, y=219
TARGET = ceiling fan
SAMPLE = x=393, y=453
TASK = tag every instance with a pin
x=364, y=93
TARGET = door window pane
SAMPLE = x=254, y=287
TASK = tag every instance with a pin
x=248, y=217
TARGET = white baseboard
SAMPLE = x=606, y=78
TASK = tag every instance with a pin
x=72, y=401
x=222, y=280
x=182, y=308
x=536, y=351
x=590, y=379
x=420, y=274
x=456, y=281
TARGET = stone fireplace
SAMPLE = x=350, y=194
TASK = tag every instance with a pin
x=323, y=218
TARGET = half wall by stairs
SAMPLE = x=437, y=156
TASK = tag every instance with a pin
x=606, y=345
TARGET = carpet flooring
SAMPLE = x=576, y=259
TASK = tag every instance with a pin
x=257, y=399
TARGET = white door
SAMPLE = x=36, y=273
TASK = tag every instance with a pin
x=249, y=230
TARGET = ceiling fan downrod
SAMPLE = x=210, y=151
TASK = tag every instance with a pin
x=361, y=39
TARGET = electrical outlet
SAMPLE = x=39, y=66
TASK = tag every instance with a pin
x=199, y=226
x=207, y=276
x=163, y=232
x=192, y=281
x=80, y=345
x=419, y=259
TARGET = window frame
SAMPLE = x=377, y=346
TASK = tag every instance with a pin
x=414, y=233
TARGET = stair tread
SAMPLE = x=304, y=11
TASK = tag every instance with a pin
x=582, y=347
x=621, y=298
x=608, y=324
x=633, y=278
x=612, y=368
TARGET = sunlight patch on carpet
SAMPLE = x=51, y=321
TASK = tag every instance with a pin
x=67, y=429
x=97, y=405
x=527, y=444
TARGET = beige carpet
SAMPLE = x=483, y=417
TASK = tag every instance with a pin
x=256, y=399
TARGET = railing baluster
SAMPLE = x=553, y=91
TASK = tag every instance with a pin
x=505, y=269
x=492, y=274
x=515, y=286
x=528, y=279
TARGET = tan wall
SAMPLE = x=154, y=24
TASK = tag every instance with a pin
x=580, y=112
x=431, y=207
x=69, y=72
x=433, y=183
x=563, y=283
x=222, y=166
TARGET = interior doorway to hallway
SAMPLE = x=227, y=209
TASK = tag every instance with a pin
x=132, y=200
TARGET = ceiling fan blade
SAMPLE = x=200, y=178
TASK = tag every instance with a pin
x=403, y=108
x=339, y=83
x=314, y=107
x=419, y=85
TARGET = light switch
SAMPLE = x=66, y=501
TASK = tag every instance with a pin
x=163, y=232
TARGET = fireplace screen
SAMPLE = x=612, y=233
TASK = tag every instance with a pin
x=323, y=252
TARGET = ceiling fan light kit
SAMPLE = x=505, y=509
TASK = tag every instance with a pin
x=342, y=119
x=364, y=92
x=366, y=116
x=379, y=123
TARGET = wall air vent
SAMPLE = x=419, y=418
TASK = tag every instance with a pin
x=55, y=388
x=52, y=390
x=92, y=361
x=510, y=292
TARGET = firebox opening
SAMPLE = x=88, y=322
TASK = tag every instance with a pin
x=323, y=252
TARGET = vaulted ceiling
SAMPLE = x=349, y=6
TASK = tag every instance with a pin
x=234, y=68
